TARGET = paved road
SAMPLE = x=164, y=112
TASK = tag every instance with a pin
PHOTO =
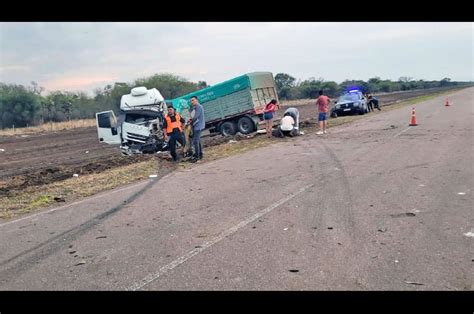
x=374, y=205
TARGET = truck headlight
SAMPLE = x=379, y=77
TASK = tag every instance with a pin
x=338, y=106
x=356, y=104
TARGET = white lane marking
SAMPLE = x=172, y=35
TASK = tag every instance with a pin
x=75, y=203
x=180, y=260
x=403, y=131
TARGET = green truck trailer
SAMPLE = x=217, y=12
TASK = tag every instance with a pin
x=235, y=105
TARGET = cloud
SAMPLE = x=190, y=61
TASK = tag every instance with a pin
x=78, y=81
x=86, y=55
x=10, y=68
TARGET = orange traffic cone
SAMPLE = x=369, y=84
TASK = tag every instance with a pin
x=413, y=118
x=447, y=102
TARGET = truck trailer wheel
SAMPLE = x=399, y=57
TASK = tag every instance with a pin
x=245, y=125
x=228, y=128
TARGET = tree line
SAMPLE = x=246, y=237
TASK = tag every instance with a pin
x=22, y=106
x=290, y=88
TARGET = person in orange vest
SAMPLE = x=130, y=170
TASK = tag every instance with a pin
x=173, y=126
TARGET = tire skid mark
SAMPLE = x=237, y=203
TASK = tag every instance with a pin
x=43, y=250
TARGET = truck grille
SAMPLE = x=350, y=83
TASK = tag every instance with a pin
x=136, y=137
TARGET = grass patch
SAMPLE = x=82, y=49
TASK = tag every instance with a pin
x=33, y=198
x=49, y=127
x=41, y=201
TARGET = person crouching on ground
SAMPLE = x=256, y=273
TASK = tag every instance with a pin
x=268, y=112
x=323, y=106
x=173, y=129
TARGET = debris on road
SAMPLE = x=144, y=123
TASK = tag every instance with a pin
x=261, y=131
x=330, y=228
x=469, y=234
x=403, y=215
x=285, y=229
x=80, y=263
x=293, y=270
x=414, y=283
x=153, y=176
x=382, y=230
x=461, y=193
x=396, y=261
x=59, y=199
x=72, y=252
x=87, y=152
x=2, y=150
x=75, y=175
x=232, y=142
x=101, y=237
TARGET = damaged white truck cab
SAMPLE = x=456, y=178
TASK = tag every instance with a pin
x=138, y=128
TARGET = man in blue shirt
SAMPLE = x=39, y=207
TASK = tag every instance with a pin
x=198, y=123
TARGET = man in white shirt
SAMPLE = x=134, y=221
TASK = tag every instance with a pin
x=289, y=124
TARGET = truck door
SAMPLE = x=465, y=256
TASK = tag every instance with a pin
x=107, y=127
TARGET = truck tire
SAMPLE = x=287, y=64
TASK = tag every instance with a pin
x=334, y=114
x=245, y=125
x=228, y=128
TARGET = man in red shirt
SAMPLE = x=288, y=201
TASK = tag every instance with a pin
x=323, y=107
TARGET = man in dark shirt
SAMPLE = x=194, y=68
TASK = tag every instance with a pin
x=374, y=101
x=173, y=126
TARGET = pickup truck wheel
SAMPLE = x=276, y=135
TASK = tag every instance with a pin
x=228, y=128
x=333, y=114
x=245, y=125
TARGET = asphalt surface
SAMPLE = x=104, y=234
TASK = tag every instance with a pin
x=373, y=205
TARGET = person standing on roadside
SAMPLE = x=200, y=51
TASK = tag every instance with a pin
x=173, y=131
x=198, y=123
x=268, y=112
x=323, y=107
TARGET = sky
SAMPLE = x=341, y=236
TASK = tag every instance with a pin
x=82, y=56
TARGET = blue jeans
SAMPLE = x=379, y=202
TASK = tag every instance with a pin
x=197, y=143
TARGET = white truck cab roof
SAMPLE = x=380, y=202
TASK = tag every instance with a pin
x=141, y=97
